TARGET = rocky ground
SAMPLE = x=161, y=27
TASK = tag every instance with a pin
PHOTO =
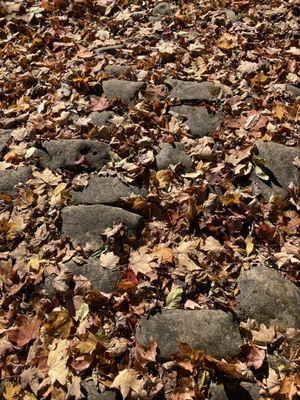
x=149, y=195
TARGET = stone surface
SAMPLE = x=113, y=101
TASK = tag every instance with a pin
x=102, y=118
x=162, y=8
x=4, y=137
x=103, y=279
x=293, y=89
x=11, y=177
x=103, y=190
x=117, y=70
x=210, y=330
x=172, y=155
x=65, y=154
x=93, y=393
x=191, y=90
x=278, y=165
x=268, y=298
x=234, y=391
x=84, y=224
x=126, y=90
x=199, y=121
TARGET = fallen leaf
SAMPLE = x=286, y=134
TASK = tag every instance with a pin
x=125, y=381
x=57, y=361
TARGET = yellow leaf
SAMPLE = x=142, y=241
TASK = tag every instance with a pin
x=59, y=188
x=11, y=391
x=164, y=177
x=279, y=111
x=57, y=361
x=88, y=344
x=249, y=245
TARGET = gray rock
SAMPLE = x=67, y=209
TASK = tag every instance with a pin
x=293, y=89
x=231, y=15
x=126, y=90
x=199, y=121
x=191, y=90
x=103, y=190
x=4, y=138
x=93, y=393
x=65, y=154
x=172, y=155
x=103, y=279
x=102, y=118
x=117, y=70
x=268, y=298
x=278, y=165
x=234, y=391
x=162, y=8
x=210, y=330
x=11, y=177
x=84, y=224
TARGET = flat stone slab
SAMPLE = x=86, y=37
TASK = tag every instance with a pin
x=5, y=135
x=191, y=90
x=126, y=90
x=278, y=165
x=172, y=155
x=103, y=118
x=103, y=279
x=268, y=298
x=199, y=121
x=210, y=330
x=234, y=391
x=67, y=154
x=11, y=177
x=103, y=190
x=85, y=223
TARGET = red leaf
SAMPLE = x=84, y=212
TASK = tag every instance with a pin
x=29, y=329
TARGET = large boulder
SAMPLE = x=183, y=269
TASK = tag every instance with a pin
x=210, y=330
x=11, y=177
x=103, y=279
x=126, y=90
x=104, y=190
x=69, y=154
x=172, y=155
x=268, y=298
x=199, y=121
x=85, y=223
x=191, y=90
x=277, y=164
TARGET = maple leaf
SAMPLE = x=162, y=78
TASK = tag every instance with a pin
x=28, y=330
x=57, y=361
x=11, y=391
x=141, y=262
x=109, y=260
x=127, y=380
